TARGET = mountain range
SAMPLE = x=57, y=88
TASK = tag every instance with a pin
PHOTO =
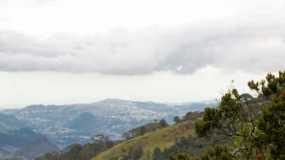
x=17, y=141
x=62, y=125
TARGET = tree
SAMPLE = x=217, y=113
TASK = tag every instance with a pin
x=135, y=152
x=176, y=119
x=218, y=153
x=271, y=127
x=163, y=123
x=253, y=134
x=182, y=156
x=231, y=120
x=253, y=85
x=49, y=156
x=81, y=152
x=225, y=120
x=270, y=85
x=157, y=154
x=73, y=152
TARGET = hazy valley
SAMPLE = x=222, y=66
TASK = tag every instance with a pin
x=63, y=125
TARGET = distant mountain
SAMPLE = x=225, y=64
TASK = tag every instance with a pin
x=84, y=123
x=77, y=123
x=19, y=142
x=9, y=122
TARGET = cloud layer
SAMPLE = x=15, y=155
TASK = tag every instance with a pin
x=250, y=38
x=183, y=50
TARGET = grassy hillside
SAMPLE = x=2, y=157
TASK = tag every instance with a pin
x=162, y=139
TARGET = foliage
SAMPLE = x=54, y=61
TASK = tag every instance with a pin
x=163, y=123
x=242, y=128
x=176, y=119
x=150, y=127
x=226, y=119
x=271, y=126
x=81, y=152
x=182, y=146
x=161, y=139
x=182, y=156
x=249, y=132
x=270, y=85
x=254, y=134
x=218, y=153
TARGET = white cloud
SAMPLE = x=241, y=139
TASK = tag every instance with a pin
x=134, y=49
x=248, y=47
x=138, y=37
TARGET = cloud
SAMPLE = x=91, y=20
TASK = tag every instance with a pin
x=251, y=47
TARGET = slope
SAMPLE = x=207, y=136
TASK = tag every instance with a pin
x=162, y=139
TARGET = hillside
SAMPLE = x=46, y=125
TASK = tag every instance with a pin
x=240, y=127
x=17, y=140
x=24, y=144
x=162, y=139
x=78, y=123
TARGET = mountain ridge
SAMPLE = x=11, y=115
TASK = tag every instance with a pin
x=113, y=117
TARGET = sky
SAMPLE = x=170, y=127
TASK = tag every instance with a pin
x=81, y=51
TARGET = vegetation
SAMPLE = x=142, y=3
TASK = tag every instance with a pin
x=81, y=152
x=162, y=139
x=254, y=132
x=241, y=127
x=150, y=127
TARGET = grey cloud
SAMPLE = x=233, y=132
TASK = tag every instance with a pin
x=253, y=48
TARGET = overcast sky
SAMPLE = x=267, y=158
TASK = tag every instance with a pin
x=77, y=51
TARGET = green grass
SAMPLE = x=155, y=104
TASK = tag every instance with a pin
x=162, y=139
